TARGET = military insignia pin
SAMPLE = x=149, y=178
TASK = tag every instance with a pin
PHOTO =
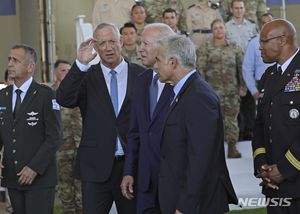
x=294, y=113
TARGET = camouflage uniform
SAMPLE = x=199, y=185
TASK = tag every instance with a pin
x=254, y=10
x=155, y=9
x=69, y=188
x=221, y=67
x=135, y=57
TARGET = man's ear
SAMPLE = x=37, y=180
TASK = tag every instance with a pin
x=173, y=62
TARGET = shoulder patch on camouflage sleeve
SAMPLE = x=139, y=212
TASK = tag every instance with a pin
x=193, y=5
x=214, y=6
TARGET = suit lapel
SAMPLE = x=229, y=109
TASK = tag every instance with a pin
x=177, y=98
x=287, y=75
x=32, y=91
x=130, y=84
x=8, y=101
x=163, y=100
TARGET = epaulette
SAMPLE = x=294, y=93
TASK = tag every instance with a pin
x=193, y=5
x=47, y=86
x=214, y=6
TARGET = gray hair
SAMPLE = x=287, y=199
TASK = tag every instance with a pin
x=159, y=30
x=106, y=25
x=30, y=54
x=181, y=48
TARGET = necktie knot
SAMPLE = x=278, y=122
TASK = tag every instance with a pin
x=113, y=72
x=155, y=78
x=18, y=91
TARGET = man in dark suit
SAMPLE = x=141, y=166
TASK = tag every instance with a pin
x=31, y=132
x=103, y=93
x=143, y=146
x=276, y=139
x=193, y=175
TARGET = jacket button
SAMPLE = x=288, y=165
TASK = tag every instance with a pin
x=270, y=115
x=271, y=103
x=13, y=130
x=270, y=141
x=16, y=162
x=291, y=102
x=150, y=133
x=270, y=128
x=14, y=151
x=14, y=140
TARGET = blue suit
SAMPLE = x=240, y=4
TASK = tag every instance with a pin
x=143, y=139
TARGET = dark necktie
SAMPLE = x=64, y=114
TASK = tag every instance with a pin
x=18, y=103
x=172, y=97
x=278, y=74
x=153, y=90
x=114, y=91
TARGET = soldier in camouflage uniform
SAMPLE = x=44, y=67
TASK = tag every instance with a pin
x=69, y=188
x=219, y=62
x=138, y=16
x=130, y=48
x=254, y=10
x=155, y=8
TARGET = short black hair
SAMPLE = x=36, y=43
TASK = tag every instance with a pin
x=266, y=14
x=137, y=4
x=56, y=64
x=128, y=24
x=169, y=10
x=6, y=75
x=236, y=1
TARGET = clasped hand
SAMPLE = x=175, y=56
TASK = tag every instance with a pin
x=271, y=176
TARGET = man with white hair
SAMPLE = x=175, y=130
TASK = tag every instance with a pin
x=193, y=175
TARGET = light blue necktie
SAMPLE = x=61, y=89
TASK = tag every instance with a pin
x=114, y=90
x=153, y=90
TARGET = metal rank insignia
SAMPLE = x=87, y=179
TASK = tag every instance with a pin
x=293, y=85
x=294, y=113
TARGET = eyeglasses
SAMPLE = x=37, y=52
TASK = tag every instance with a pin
x=263, y=42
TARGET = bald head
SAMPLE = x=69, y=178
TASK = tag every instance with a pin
x=278, y=41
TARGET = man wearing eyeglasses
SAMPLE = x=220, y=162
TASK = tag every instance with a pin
x=276, y=139
x=103, y=93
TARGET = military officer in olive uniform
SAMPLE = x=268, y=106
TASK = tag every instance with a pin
x=155, y=8
x=198, y=20
x=31, y=132
x=276, y=139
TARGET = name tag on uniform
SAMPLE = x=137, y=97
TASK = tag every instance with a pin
x=197, y=14
x=261, y=95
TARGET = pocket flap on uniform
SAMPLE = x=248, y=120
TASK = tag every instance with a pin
x=290, y=100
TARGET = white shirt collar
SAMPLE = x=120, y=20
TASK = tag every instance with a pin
x=24, y=88
x=287, y=63
x=118, y=69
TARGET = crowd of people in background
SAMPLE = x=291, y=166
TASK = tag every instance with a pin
x=170, y=89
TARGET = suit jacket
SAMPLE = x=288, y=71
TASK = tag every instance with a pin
x=32, y=139
x=193, y=173
x=276, y=138
x=143, y=139
x=88, y=90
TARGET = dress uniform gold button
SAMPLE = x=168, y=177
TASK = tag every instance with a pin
x=13, y=130
x=16, y=162
x=14, y=140
x=270, y=115
x=291, y=102
x=270, y=140
x=270, y=128
x=271, y=103
x=14, y=151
